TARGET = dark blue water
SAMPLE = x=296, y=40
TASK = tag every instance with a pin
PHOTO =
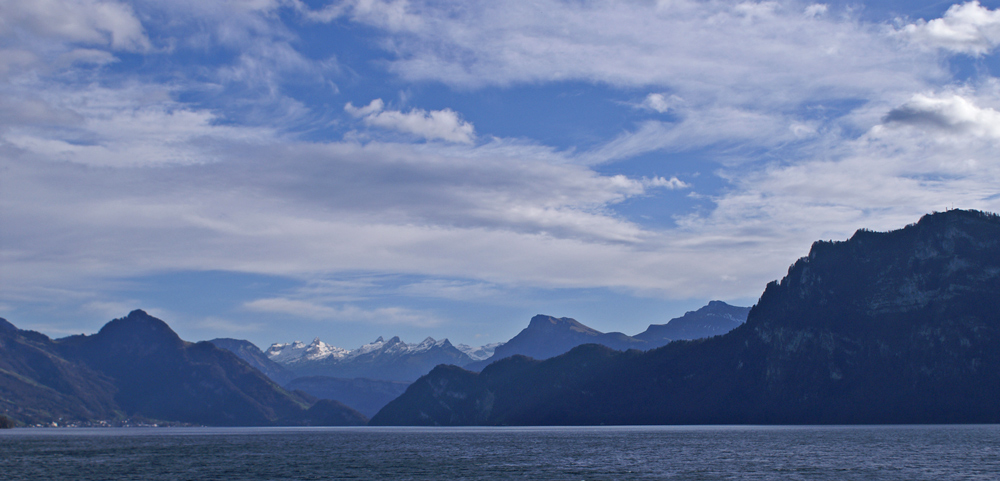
x=683, y=453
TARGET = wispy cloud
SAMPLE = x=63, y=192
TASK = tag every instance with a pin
x=346, y=313
x=661, y=103
x=94, y=22
x=747, y=53
x=810, y=121
x=437, y=124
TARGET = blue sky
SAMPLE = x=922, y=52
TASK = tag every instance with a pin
x=276, y=170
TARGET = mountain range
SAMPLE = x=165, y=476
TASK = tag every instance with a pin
x=886, y=327
x=548, y=336
x=137, y=368
x=392, y=360
x=368, y=377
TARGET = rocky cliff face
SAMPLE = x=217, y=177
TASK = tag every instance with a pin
x=895, y=327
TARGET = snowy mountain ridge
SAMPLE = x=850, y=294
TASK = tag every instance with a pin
x=481, y=352
x=292, y=353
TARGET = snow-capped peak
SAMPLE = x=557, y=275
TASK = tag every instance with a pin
x=479, y=353
x=298, y=351
x=424, y=345
x=318, y=350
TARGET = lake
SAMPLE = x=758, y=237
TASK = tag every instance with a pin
x=562, y=453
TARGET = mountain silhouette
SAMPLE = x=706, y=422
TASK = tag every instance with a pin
x=548, y=336
x=886, y=327
x=136, y=366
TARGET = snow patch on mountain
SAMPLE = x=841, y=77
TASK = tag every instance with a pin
x=479, y=353
x=298, y=351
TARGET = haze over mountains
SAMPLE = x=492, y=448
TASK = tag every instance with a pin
x=368, y=377
x=895, y=327
x=548, y=336
x=137, y=368
x=392, y=360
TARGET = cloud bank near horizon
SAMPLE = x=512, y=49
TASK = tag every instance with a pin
x=139, y=138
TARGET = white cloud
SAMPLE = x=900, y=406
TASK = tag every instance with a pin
x=94, y=22
x=752, y=10
x=745, y=54
x=452, y=289
x=437, y=124
x=816, y=10
x=242, y=199
x=728, y=127
x=149, y=184
x=660, y=102
x=950, y=112
x=308, y=309
x=393, y=15
x=137, y=125
x=967, y=28
x=932, y=153
x=671, y=183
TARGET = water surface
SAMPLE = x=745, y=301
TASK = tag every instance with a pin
x=565, y=453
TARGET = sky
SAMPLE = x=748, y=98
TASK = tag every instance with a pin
x=279, y=170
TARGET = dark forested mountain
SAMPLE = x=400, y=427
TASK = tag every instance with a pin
x=253, y=356
x=715, y=319
x=895, y=327
x=137, y=366
x=37, y=385
x=548, y=336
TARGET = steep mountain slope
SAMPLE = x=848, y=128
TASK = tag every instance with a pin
x=37, y=385
x=391, y=360
x=253, y=356
x=715, y=319
x=137, y=366
x=161, y=376
x=896, y=327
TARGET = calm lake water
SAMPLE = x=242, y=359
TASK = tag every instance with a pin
x=684, y=453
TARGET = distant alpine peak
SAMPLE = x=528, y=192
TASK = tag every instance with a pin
x=298, y=351
x=547, y=323
x=479, y=353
